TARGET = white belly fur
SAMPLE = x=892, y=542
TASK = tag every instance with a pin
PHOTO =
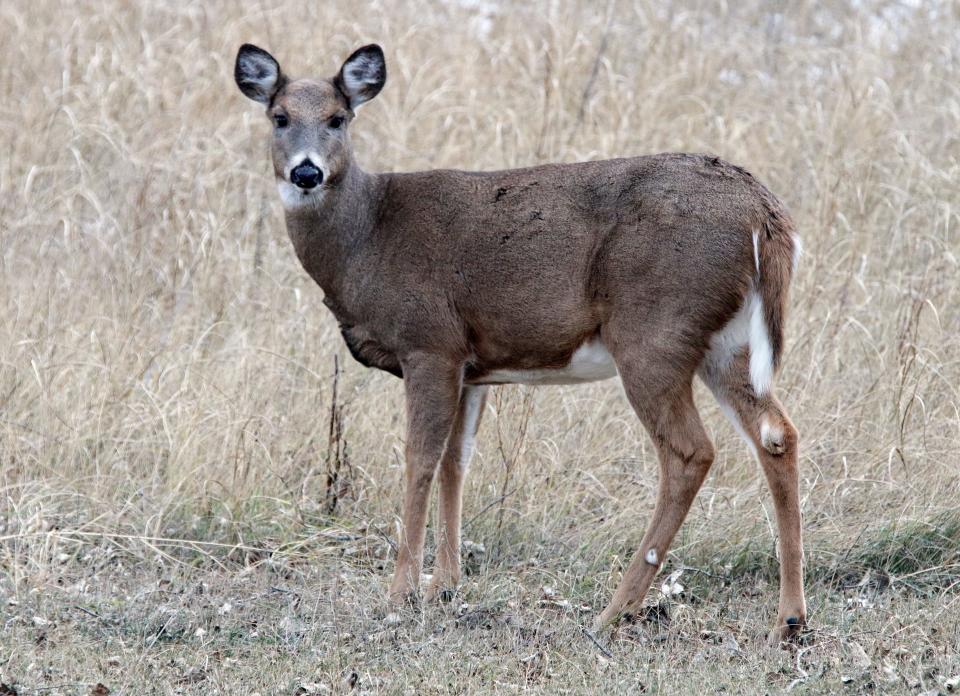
x=589, y=363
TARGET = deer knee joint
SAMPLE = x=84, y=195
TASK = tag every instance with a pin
x=703, y=456
x=777, y=435
x=420, y=476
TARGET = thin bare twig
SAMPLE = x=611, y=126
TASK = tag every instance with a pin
x=606, y=653
x=594, y=71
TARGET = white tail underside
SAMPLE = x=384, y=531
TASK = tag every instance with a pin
x=747, y=328
x=761, y=352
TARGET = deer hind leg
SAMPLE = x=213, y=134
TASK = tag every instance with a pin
x=685, y=455
x=764, y=424
x=453, y=468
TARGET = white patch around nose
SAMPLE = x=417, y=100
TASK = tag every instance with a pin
x=300, y=157
x=294, y=197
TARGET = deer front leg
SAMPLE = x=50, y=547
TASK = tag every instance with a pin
x=453, y=468
x=433, y=388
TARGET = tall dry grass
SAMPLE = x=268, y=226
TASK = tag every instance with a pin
x=166, y=366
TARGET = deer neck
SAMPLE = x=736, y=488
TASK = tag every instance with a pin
x=329, y=234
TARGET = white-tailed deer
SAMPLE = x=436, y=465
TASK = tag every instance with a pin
x=653, y=269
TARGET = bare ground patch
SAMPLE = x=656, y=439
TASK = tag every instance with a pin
x=315, y=622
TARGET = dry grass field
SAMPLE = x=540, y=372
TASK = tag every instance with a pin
x=199, y=489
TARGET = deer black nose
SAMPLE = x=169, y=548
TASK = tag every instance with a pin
x=306, y=175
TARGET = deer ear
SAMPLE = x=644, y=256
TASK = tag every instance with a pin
x=362, y=76
x=257, y=73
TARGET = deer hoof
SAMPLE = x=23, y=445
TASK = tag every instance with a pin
x=789, y=630
x=403, y=598
x=441, y=593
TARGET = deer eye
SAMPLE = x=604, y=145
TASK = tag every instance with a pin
x=281, y=120
x=336, y=121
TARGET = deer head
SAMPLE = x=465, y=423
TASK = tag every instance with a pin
x=311, y=117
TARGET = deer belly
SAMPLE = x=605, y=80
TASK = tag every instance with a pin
x=588, y=363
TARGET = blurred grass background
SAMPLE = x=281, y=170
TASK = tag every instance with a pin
x=167, y=368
